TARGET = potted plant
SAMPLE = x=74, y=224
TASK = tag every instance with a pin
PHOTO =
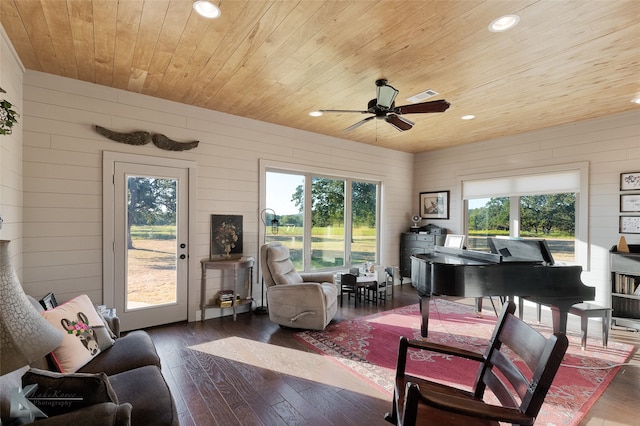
x=8, y=116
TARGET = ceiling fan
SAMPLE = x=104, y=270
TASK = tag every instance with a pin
x=384, y=107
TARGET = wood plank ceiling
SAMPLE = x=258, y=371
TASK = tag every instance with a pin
x=276, y=61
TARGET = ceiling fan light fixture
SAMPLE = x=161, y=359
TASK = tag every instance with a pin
x=504, y=23
x=316, y=113
x=399, y=123
x=386, y=96
x=206, y=9
x=384, y=108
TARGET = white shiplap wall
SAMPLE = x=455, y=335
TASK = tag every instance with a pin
x=63, y=175
x=11, y=72
x=610, y=145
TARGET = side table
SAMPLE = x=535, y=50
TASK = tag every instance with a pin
x=223, y=265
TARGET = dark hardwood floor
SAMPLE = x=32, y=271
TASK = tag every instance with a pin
x=277, y=380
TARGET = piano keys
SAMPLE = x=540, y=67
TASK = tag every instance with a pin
x=516, y=267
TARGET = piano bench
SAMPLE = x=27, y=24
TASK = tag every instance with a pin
x=588, y=310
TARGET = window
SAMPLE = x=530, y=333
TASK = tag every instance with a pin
x=549, y=216
x=327, y=222
x=282, y=191
x=553, y=218
x=339, y=229
x=486, y=217
x=363, y=222
x=545, y=203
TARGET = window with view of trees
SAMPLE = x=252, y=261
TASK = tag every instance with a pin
x=547, y=202
x=151, y=208
x=549, y=216
x=339, y=230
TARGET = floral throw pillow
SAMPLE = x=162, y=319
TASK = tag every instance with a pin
x=85, y=333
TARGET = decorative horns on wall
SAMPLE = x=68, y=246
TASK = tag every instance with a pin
x=143, y=138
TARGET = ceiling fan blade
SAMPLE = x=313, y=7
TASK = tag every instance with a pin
x=424, y=107
x=385, y=96
x=343, y=110
x=400, y=123
x=358, y=124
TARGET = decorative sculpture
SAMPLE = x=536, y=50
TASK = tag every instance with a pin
x=163, y=142
x=132, y=138
x=143, y=138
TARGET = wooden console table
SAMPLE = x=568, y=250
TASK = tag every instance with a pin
x=232, y=264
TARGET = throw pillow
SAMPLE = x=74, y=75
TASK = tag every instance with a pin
x=59, y=393
x=85, y=333
x=106, y=325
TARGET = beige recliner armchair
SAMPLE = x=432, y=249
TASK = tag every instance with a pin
x=299, y=300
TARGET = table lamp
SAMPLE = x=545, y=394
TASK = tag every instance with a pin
x=25, y=335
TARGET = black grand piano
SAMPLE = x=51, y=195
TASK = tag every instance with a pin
x=515, y=267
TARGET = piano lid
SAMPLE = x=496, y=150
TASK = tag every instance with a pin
x=522, y=250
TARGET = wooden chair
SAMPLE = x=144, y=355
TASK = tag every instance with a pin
x=520, y=391
x=391, y=272
x=348, y=286
x=377, y=291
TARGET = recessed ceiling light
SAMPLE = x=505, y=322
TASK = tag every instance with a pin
x=315, y=113
x=206, y=8
x=636, y=100
x=504, y=23
x=468, y=117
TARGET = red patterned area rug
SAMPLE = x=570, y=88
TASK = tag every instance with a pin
x=368, y=347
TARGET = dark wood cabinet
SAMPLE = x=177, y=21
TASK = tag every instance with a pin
x=414, y=243
x=625, y=287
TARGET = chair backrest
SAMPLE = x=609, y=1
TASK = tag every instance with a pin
x=390, y=277
x=531, y=376
x=348, y=280
x=277, y=268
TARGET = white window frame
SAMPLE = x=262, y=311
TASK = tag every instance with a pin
x=283, y=167
x=561, y=178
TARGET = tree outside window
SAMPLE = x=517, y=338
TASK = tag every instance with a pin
x=548, y=216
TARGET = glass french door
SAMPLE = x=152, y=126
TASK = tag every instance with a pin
x=150, y=244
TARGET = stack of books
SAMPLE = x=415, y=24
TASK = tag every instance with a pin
x=226, y=298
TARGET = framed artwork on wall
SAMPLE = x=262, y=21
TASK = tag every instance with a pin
x=630, y=224
x=630, y=181
x=630, y=202
x=434, y=205
x=226, y=236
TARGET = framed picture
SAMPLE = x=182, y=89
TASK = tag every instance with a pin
x=454, y=241
x=629, y=181
x=630, y=224
x=226, y=236
x=630, y=202
x=434, y=205
x=49, y=301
